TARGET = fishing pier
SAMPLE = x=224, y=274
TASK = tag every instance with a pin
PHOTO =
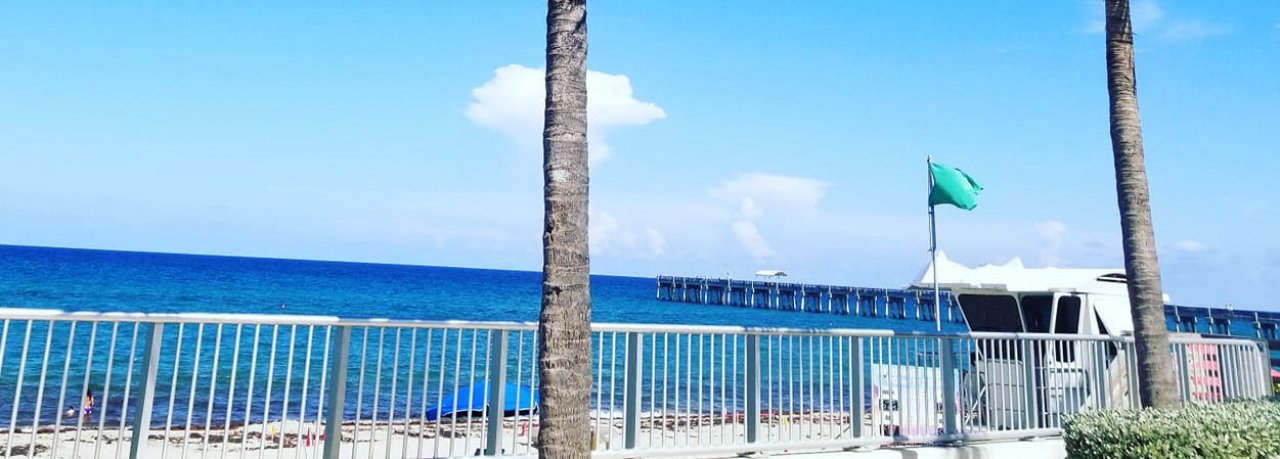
x=1264, y=325
x=902, y=304
x=917, y=304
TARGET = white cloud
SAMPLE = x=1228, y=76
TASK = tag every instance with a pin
x=657, y=242
x=771, y=191
x=749, y=235
x=608, y=236
x=749, y=209
x=753, y=193
x=512, y=103
x=1144, y=14
x=1192, y=30
x=1190, y=246
x=1051, y=233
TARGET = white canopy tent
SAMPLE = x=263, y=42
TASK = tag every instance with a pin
x=1015, y=277
x=1106, y=288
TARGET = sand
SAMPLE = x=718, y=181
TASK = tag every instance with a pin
x=294, y=439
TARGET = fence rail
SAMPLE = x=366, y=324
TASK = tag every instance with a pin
x=216, y=385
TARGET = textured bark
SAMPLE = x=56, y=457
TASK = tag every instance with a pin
x=1155, y=364
x=565, y=321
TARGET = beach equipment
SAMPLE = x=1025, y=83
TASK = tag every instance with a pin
x=473, y=399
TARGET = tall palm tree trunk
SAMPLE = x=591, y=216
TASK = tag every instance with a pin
x=565, y=321
x=1155, y=363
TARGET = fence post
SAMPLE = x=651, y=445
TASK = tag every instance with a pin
x=146, y=391
x=337, y=393
x=946, y=352
x=1131, y=357
x=753, y=388
x=1264, y=371
x=1029, y=382
x=1101, y=377
x=495, y=409
x=855, y=380
x=1181, y=360
x=631, y=402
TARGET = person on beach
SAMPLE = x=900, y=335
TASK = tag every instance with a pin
x=88, y=402
x=71, y=411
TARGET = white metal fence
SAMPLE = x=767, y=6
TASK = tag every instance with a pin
x=212, y=385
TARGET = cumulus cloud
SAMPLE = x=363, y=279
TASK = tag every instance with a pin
x=1051, y=233
x=1190, y=246
x=610, y=237
x=749, y=235
x=1144, y=14
x=1192, y=30
x=751, y=194
x=657, y=242
x=753, y=190
x=512, y=103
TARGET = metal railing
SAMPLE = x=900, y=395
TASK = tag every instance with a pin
x=251, y=386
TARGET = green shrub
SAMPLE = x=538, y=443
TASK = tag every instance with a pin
x=1232, y=430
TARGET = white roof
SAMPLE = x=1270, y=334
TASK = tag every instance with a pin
x=1107, y=289
x=1014, y=277
x=771, y=273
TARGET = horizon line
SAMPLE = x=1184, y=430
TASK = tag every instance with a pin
x=315, y=260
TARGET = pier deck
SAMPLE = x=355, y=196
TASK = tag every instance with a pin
x=914, y=304
x=830, y=299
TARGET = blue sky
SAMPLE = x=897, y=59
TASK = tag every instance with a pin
x=726, y=137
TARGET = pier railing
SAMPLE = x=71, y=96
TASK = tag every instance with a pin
x=801, y=297
x=200, y=385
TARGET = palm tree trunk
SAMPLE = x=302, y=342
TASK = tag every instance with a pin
x=1155, y=363
x=565, y=321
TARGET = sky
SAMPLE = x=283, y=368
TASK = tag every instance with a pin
x=725, y=137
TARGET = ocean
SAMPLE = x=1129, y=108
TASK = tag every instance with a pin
x=103, y=280
x=115, y=281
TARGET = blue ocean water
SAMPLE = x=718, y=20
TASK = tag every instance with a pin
x=100, y=280
x=263, y=370
x=87, y=357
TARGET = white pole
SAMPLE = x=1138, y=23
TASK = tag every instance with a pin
x=933, y=252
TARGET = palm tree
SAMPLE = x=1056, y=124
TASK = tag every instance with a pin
x=565, y=322
x=1155, y=363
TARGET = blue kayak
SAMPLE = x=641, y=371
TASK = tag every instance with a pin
x=472, y=400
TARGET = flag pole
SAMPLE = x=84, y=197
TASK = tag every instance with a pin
x=933, y=252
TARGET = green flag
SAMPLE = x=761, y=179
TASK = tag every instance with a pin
x=953, y=186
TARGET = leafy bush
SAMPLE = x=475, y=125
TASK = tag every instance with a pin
x=1232, y=430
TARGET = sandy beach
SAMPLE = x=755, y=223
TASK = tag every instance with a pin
x=293, y=439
